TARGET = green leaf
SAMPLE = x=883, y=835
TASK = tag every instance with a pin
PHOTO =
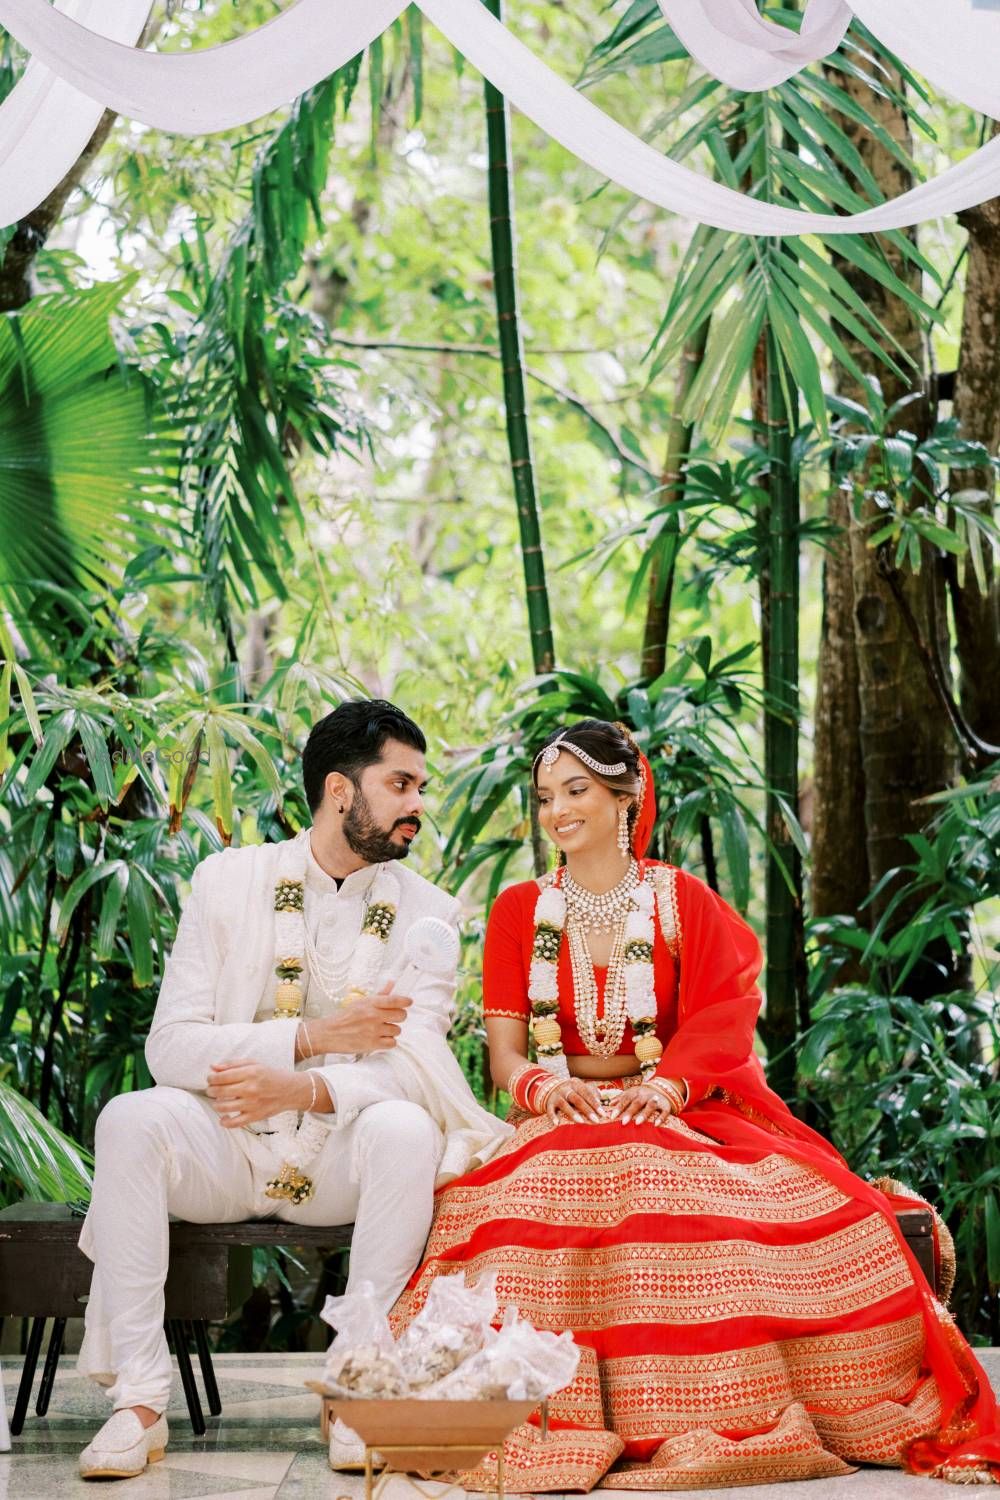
x=140, y=922
x=36, y=1157
x=222, y=786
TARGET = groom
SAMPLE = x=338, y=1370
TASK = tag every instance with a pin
x=251, y=1033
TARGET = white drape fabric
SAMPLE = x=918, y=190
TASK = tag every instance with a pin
x=954, y=44
x=733, y=41
x=45, y=122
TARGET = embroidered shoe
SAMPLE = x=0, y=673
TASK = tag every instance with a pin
x=123, y=1447
x=347, y=1451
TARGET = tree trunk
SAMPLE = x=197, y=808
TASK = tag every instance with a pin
x=904, y=749
x=977, y=407
x=840, y=876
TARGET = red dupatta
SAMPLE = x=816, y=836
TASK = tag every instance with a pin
x=712, y=1048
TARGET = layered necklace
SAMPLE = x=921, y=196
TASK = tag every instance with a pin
x=296, y=1140
x=591, y=911
x=628, y=910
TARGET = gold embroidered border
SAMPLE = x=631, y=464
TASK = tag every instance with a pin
x=746, y=1388
x=664, y=879
x=606, y=1185
x=507, y=1015
x=701, y=1459
x=879, y=1433
x=604, y=1286
x=565, y=1461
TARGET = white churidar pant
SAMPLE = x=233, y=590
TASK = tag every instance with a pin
x=163, y=1151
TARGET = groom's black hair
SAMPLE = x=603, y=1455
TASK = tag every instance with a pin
x=352, y=737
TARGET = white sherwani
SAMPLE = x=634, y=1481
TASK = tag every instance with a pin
x=404, y=1119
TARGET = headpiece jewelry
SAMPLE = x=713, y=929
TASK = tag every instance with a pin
x=550, y=754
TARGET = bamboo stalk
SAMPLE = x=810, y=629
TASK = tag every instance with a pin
x=503, y=247
x=781, y=734
x=656, y=632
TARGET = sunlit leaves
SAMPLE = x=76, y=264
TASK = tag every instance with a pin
x=82, y=451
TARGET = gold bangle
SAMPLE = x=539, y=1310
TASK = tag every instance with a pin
x=305, y=1037
x=669, y=1091
x=312, y=1083
x=544, y=1093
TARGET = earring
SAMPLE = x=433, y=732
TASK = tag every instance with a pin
x=623, y=838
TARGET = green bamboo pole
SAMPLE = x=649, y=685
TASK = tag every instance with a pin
x=780, y=641
x=503, y=242
x=783, y=880
x=656, y=632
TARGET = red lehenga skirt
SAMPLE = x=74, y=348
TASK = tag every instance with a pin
x=743, y=1317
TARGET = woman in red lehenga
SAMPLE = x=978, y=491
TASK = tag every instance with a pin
x=746, y=1307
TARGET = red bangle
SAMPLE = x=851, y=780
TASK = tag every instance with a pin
x=521, y=1082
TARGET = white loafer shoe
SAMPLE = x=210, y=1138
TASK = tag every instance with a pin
x=347, y=1451
x=123, y=1447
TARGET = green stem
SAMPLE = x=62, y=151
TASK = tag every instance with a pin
x=502, y=241
x=784, y=971
x=781, y=733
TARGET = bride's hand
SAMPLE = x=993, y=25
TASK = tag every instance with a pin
x=638, y=1105
x=573, y=1099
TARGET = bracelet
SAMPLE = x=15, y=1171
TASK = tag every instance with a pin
x=543, y=1093
x=305, y=1037
x=517, y=1075
x=669, y=1091
x=522, y=1079
x=312, y=1081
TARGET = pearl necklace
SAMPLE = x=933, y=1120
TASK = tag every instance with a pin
x=601, y=1035
x=331, y=978
x=596, y=911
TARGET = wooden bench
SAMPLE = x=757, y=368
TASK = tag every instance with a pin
x=44, y=1274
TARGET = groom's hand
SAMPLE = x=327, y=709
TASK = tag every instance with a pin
x=241, y=1093
x=371, y=1023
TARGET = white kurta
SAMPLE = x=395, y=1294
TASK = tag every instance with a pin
x=404, y=1118
x=220, y=976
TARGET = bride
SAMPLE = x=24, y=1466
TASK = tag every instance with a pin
x=746, y=1307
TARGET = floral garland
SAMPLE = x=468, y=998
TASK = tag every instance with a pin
x=543, y=980
x=297, y=1140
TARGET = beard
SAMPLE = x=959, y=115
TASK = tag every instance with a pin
x=368, y=840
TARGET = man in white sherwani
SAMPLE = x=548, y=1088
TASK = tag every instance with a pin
x=292, y=1082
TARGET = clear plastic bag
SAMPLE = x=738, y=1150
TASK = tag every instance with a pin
x=518, y=1363
x=453, y=1324
x=362, y=1360
x=450, y=1351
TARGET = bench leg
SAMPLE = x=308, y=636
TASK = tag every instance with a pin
x=178, y=1333
x=27, y=1376
x=207, y=1368
x=50, y=1366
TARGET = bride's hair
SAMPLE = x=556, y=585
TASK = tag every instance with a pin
x=607, y=744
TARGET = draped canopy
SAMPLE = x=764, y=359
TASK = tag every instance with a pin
x=84, y=58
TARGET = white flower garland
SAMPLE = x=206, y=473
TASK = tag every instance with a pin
x=296, y=1140
x=543, y=976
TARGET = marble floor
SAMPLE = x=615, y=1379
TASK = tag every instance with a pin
x=266, y=1446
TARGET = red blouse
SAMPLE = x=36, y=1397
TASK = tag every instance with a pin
x=507, y=958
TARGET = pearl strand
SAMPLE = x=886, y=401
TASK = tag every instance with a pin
x=601, y=1035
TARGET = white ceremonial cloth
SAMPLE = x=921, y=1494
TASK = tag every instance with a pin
x=218, y=87
x=734, y=42
x=46, y=123
x=220, y=974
